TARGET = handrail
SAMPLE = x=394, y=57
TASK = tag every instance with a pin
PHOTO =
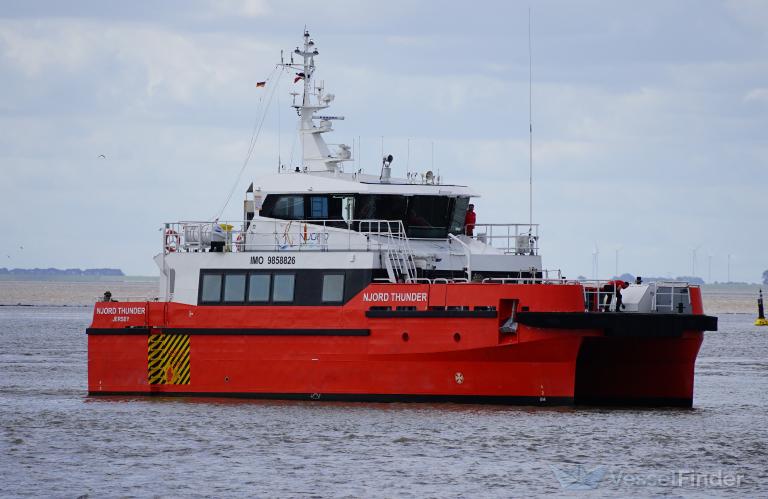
x=518, y=239
x=291, y=235
x=283, y=235
x=127, y=299
x=467, y=255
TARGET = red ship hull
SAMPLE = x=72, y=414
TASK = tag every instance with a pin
x=446, y=345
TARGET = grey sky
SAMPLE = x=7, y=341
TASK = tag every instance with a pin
x=650, y=120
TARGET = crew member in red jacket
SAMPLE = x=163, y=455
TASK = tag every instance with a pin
x=619, y=301
x=609, y=289
x=469, y=220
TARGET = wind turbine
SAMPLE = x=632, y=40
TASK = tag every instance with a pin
x=693, y=259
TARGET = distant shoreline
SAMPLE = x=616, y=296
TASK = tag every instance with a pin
x=77, y=278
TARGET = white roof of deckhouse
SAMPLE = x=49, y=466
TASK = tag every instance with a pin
x=350, y=183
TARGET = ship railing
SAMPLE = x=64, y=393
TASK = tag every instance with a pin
x=667, y=296
x=126, y=299
x=544, y=279
x=671, y=296
x=516, y=239
x=544, y=276
x=314, y=235
x=426, y=280
x=288, y=235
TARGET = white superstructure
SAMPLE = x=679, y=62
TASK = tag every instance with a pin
x=317, y=216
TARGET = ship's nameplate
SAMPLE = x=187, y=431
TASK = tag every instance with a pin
x=394, y=296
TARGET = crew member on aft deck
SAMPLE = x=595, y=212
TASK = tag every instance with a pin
x=619, y=299
x=469, y=220
x=218, y=238
x=608, y=290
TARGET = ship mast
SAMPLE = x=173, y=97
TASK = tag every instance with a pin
x=316, y=156
x=308, y=67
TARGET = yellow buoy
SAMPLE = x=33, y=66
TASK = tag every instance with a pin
x=761, y=320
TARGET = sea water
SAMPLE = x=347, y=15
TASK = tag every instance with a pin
x=57, y=441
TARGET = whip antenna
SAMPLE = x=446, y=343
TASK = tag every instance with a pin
x=530, y=124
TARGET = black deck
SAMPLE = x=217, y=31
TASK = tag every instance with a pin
x=622, y=324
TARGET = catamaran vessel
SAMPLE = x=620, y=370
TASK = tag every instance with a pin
x=342, y=285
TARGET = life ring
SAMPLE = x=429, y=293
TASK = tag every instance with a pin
x=239, y=242
x=172, y=241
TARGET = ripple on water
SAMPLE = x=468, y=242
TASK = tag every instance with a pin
x=56, y=441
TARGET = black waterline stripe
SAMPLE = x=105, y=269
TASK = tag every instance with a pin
x=361, y=397
x=420, y=398
x=232, y=331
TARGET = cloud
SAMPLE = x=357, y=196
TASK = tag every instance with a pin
x=245, y=8
x=642, y=137
x=130, y=68
x=757, y=95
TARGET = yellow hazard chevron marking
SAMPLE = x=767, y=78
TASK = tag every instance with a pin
x=168, y=359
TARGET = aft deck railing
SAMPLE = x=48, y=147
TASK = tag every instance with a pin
x=517, y=239
x=117, y=298
x=667, y=296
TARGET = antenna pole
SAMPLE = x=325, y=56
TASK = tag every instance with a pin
x=408, y=157
x=530, y=124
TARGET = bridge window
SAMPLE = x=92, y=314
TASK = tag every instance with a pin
x=234, y=288
x=258, y=287
x=211, y=288
x=283, y=288
x=333, y=288
x=380, y=207
x=459, y=211
x=423, y=216
x=427, y=216
x=289, y=208
x=318, y=207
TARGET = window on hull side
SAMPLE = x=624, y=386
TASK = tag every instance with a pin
x=333, y=288
x=310, y=287
x=283, y=288
x=258, y=288
x=234, y=288
x=211, y=288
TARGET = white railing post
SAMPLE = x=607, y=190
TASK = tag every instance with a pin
x=467, y=255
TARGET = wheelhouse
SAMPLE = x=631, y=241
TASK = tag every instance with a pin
x=423, y=216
